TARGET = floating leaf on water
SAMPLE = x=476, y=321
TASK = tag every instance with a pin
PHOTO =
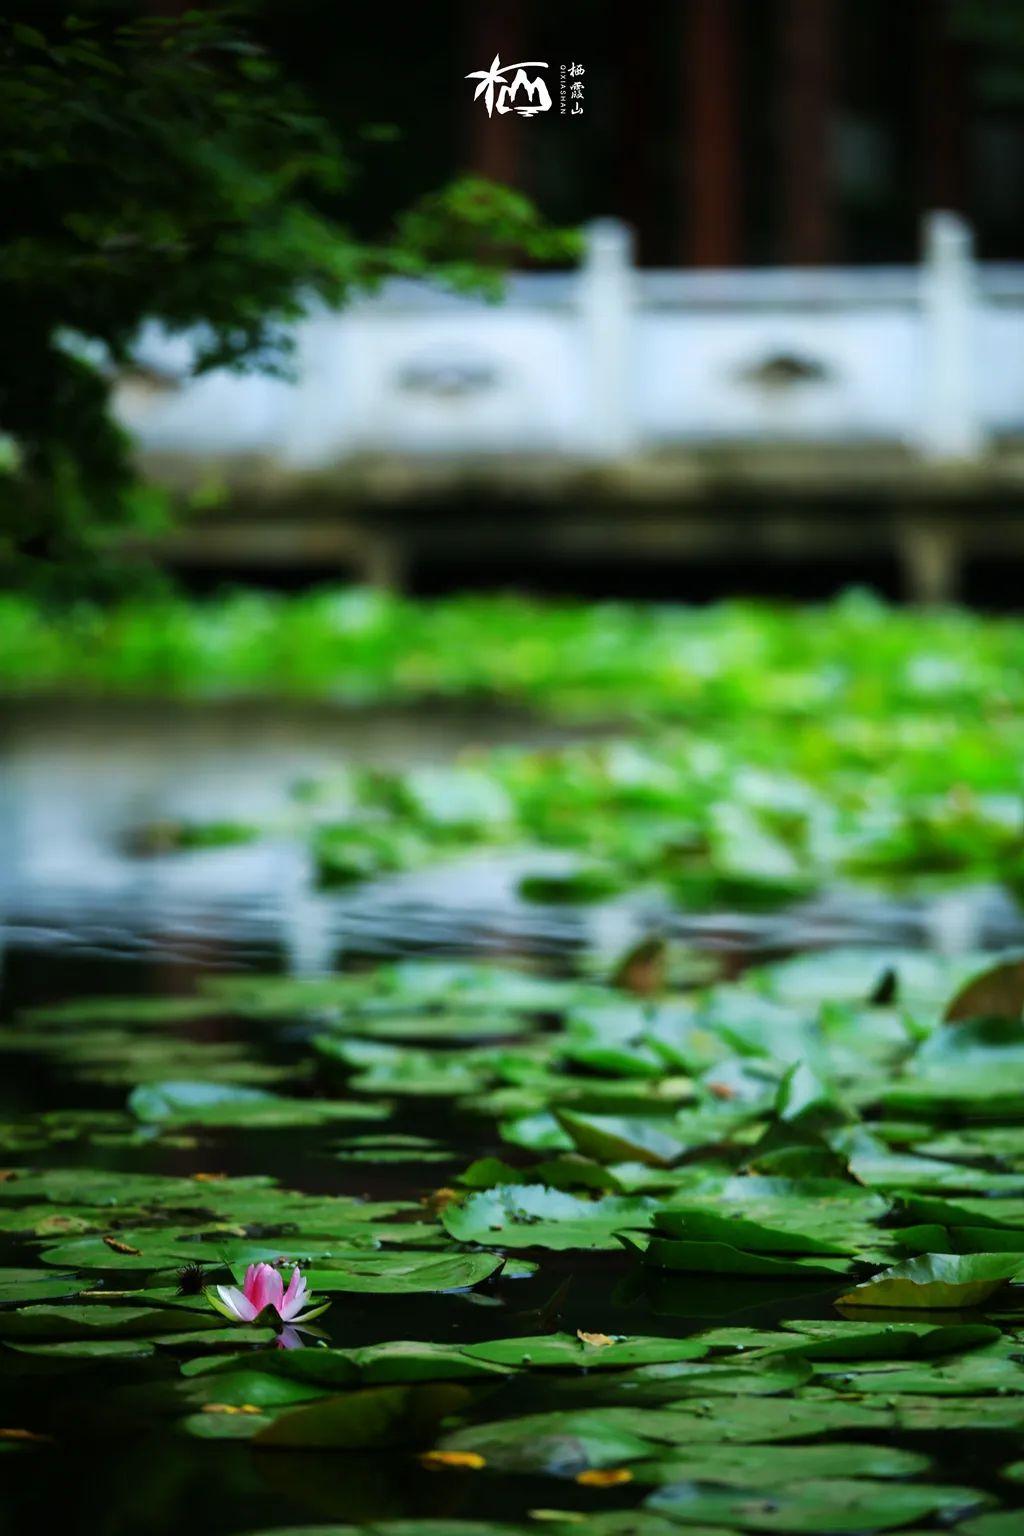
x=204, y=1103
x=562, y=1351
x=829, y=1506
x=611, y=1138
x=376, y=1416
x=532, y=1216
x=937, y=1280
x=697, y=1224
x=406, y=1273
x=998, y=993
x=778, y=1466
x=717, y=1258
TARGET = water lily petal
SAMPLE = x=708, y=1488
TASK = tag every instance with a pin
x=264, y=1287
x=238, y=1305
x=294, y=1297
x=311, y=1312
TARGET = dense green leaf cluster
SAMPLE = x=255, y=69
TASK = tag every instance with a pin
x=161, y=168
x=856, y=657
x=836, y=1132
x=772, y=751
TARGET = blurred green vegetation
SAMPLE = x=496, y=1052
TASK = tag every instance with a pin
x=749, y=754
x=164, y=168
x=856, y=656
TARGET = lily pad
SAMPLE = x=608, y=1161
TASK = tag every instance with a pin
x=533, y=1216
x=204, y=1103
x=376, y=1416
x=778, y=1466
x=938, y=1280
x=406, y=1273
x=829, y=1506
x=588, y=1352
x=711, y=1258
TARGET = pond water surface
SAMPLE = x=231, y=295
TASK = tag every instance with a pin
x=86, y=913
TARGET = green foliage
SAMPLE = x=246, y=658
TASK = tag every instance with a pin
x=769, y=751
x=800, y=1188
x=996, y=29
x=161, y=168
x=820, y=1424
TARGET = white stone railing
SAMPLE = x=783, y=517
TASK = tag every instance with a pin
x=610, y=362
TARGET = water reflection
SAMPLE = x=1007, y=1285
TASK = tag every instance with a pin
x=80, y=780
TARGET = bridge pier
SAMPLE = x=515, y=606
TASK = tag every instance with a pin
x=931, y=555
x=384, y=564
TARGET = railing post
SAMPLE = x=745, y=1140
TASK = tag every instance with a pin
x=950, y=424
x=605, y=298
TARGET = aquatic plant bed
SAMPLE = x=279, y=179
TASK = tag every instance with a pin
x=638, y=661
x=761, y=755
x=445, y=1248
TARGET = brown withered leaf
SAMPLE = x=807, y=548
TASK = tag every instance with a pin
x=116, y=1244
x=643, y=970
x=997, y=993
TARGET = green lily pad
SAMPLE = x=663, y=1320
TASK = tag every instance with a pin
x=888, y=1340
x=1000, y=1522
x=938, y=1280
x=24, y=1285
x=406, y=1273
x=204, y=1103
x=711, y=1258
x=88, y=1349
x=376, y=1416
x=533, y=1216
x=829, y=1506
x=88, y=1321
x=561, y=1445
x=731, y=1419
x=778, y=1466
x=563, y=1351
x=694, y=1224
x=611, y=1138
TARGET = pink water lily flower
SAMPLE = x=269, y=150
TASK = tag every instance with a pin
x=264, y=1288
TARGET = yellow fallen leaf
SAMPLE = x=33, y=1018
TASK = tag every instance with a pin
x=470, y=1460
x=604, y=1477
x=595, y=1340
x=439, y=1198
x=22, y=1434
x=208, y=1178
x=221, y=1408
